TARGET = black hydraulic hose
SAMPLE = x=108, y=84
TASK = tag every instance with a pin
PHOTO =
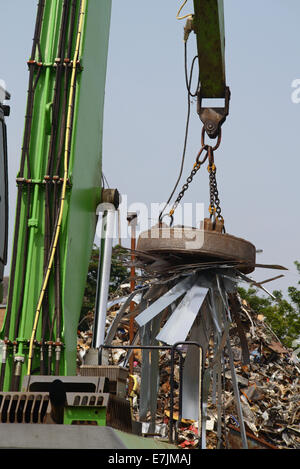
x=2, y=374
x=31, y=93
x=65, y=99
x=64, y=29
x=25, y=151
x=57, y=315
x=72, y=27
x=51, y=155
x=58, y=301
x=58, y=138
x=38, y=28
x=20, y=304
x=24, y=157
x=57, y=88
x=50, y=167
x=58, y=293
x=25, y=154
x=55, y=120
x=188, y=80
x=57, y=283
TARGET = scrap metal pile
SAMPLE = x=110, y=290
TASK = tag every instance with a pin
x=239, y=389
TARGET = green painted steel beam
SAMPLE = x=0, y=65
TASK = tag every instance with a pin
x=83, y=191
x=208, y=24
x=83, y=414
x=131, y=441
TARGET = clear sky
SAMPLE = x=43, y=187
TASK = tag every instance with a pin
x=258, y=162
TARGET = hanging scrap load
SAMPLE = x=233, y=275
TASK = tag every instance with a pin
x=189, y=297
x=194, y=303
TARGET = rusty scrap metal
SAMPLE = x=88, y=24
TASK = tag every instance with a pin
x=234, y=438
x=170, y=271
x=268, y=386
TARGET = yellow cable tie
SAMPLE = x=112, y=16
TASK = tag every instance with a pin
x=179, y=11
x=211, y=167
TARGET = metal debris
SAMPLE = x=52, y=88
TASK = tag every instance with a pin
x=250, y=387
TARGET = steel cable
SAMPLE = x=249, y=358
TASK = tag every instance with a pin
x=188, y=80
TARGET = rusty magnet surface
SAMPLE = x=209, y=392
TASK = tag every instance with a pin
x=183, y=245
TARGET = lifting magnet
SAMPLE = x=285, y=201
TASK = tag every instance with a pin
x=192, y=245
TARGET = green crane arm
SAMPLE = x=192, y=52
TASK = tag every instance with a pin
x=60, y=167
x=209, y=30
x=208, y=25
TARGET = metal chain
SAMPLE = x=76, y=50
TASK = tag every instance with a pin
x=214, y=195
x=185, y=187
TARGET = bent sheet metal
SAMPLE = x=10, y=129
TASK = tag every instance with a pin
x=199, y=311
x=193, y=301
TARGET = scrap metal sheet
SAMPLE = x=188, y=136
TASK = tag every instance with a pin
x=164, y=301
x=179, y=324
x=115, y=324
x=200, y=333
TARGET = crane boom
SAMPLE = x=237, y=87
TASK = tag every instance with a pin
x=59, y=188
x=210, y=35
x=208, y=26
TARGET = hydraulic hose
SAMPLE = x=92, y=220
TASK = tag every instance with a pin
x=65, y=180
x=24, y=158
x=58, y=306
x=25, y=152
x=50, y=164
x=57, y=316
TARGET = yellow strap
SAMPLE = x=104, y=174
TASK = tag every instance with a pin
x=65, y=179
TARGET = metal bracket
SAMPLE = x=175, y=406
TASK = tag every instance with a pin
x=213, y=118
x=111, y=196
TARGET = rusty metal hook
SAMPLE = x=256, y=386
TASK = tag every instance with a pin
x=218, y=140
x=166, y=215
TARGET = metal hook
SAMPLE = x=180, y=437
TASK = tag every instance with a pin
x=166, y=215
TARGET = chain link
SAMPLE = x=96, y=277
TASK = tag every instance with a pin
x=214, y=207
x=193, y=173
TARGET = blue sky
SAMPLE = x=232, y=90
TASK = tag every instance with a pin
x=258, y=162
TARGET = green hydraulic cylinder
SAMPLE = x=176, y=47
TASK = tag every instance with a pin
x=40, y=182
